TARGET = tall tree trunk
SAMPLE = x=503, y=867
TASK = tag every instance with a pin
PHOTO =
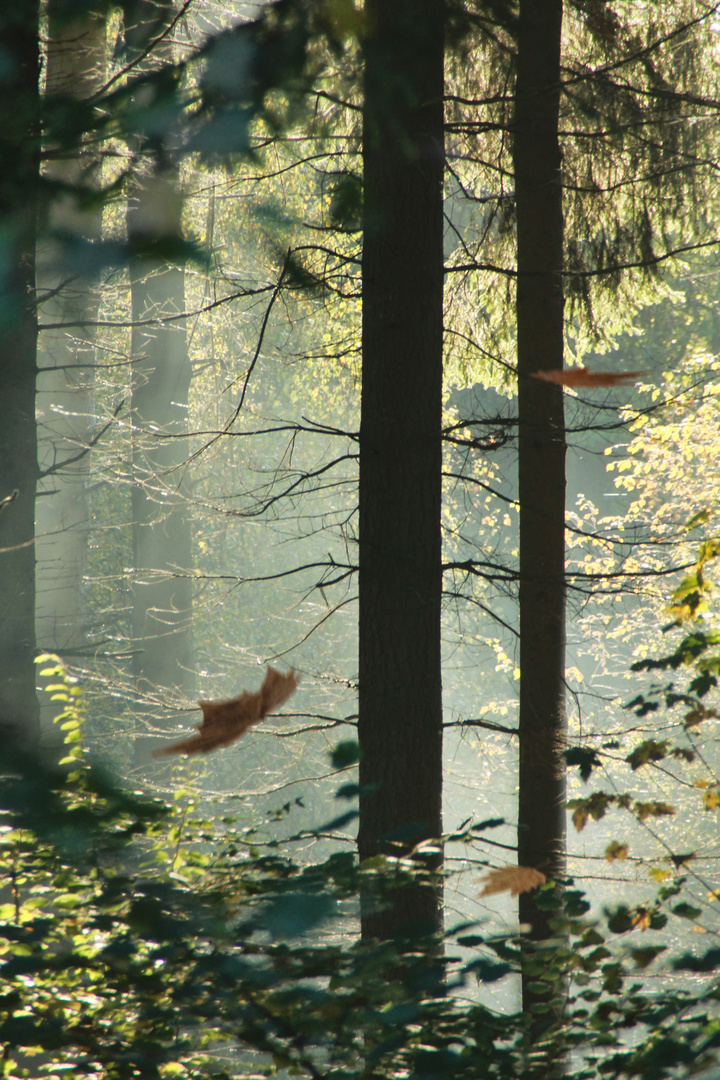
x=400, y=707
x=161, y=589
x=538, y=193
x=75, y=69
x=19, y=154
x=161, y=527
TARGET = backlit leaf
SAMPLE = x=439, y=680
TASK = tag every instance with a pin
x=512, y=879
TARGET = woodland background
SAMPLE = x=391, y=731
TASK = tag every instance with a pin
x=276, y=282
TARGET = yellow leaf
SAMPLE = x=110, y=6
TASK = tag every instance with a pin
x=641, y=919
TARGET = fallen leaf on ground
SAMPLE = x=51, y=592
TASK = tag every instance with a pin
x=225, y=721
x=512, y=879
x=585, y=377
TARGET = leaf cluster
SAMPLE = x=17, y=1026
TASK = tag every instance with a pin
x=139, y=941
x=696, y=650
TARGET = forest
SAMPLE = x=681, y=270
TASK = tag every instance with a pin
x=359, y=517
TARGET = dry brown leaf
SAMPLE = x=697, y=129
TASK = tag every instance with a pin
x=585, y=377
x=225, y=721
x=641, y=919
x=512, y=879
x=697, y=715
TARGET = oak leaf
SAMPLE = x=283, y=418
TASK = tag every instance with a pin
x=585, y=377
x=512, y=879
x=225, y=721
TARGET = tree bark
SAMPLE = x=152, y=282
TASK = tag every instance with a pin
x=19, y=154
x=161, y=536
x=400, y=698
x=75, y=69
x=538, y=193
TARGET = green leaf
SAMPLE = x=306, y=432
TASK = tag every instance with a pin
x=591, y=937
x=697, y=519
x=488, y=971
x=620, y=920
x=346, y=202
x=585, y=758
x=644, y=957
x=347, y=791
x=293, y=914
x=686, y=911
x=596, y=957
x=547, y=899
x=488, y=823
x=575, y=904
x=709, y=961
x=647, y=751
x=345, y=754
x=595, y=807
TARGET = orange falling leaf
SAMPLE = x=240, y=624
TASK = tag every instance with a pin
x=585, y=377
x=225, y=721
x=512, y=879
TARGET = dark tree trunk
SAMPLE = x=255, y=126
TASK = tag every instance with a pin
x=400, y=724
x=19, y=162
x=538, y=192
